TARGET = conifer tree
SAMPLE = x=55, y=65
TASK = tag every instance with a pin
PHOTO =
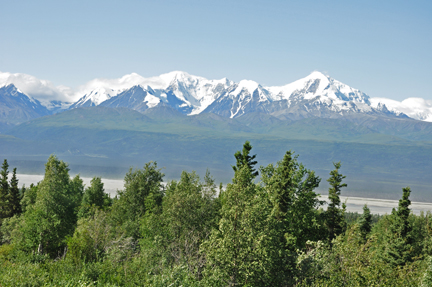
x=244, y=159
x=4, y=190
x=399, y=249
x=14, y=196
x=294, y=217
x=365, y=223
x=334, y=215
x=241, y=251
x=291, y=190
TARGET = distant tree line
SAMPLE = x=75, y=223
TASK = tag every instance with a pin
x=267, y=231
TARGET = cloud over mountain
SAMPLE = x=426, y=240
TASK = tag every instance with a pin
x=45, y=91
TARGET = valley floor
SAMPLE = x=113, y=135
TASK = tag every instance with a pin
x=354, y=204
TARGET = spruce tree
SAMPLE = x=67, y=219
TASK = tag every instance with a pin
x=335, y=221
x=365, y=223
x=399, y=239
x=291, y=190
x=294, y=217
x=14, y=196
x=244, y=159
x=4, y=190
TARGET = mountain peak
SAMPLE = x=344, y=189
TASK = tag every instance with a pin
x=179, y=76
x=317, y=94
x=249, y=85
x=11, y=89
x=317, y=75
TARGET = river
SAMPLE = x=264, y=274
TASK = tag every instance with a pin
x=354, y=204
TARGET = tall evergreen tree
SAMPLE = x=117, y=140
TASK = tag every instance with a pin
x=14, y=196
x=365, y=223
x=241, y=251
x=290, y=187
x=399, y=238
x=244, y=159
x=335, y=215
x=4, y=190
x=291, y=190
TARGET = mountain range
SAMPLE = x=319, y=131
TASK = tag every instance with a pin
x=186, y=122
x=316, y=95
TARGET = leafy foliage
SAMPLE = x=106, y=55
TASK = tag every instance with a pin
x=53, y=216
x=143, y=191
x=94, y=197
x=268, y=233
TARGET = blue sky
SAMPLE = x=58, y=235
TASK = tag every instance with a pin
x=380, y=47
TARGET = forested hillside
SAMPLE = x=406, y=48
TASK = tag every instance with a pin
x=380, y=155
x=266, y=228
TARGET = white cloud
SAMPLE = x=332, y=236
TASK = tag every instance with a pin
x=42, y=90
x=126, y=82
x=46, y=91
x=416, y=108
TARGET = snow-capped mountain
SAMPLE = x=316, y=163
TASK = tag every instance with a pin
x=190, y=94
x=416, y=108
x=239, y=99
x=54, y=98
x=316, y=95
x=136, y=98
x=17, y=107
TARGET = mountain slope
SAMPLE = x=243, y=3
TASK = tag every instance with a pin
x=101, y=140
x=16, y=107
x=316, y=95
x=416, y=108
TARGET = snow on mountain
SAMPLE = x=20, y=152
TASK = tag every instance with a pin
x=416, y=108
x=43, y=90
x=194, y=93
x=17, y=107
x=322, y=90
x=197, y=92
x=316, y=95
x=239, y=99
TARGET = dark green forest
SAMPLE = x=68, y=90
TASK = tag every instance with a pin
x=267, y=227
